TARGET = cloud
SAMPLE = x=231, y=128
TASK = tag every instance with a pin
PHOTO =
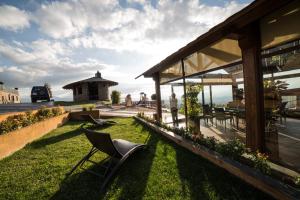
x=43, y=61
x=146, y=33
x=13, y=19
x=105, y=24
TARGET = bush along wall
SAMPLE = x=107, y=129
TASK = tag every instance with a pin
x=233, y=149
x=15, y=122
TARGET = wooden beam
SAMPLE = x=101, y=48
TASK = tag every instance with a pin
x=158, y=96
x=250, y=45
x=184, y=95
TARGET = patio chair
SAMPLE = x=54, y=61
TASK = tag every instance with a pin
x=207, y=114
x=118, y=151
x=222, y=116
x=97, y=122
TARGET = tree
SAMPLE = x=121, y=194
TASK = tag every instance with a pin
x=47, y=85
x=115, y=97
x=153, y=97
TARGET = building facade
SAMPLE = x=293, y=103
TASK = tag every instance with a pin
x=8, y=95
x=92, y=89
x=246, y=72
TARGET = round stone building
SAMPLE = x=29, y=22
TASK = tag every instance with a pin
x=91, y=89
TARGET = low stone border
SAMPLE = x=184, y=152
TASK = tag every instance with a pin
x=255, y=178
x=4, y=116
x=16, y=140
x=77, y=114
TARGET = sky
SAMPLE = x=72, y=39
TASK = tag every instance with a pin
x=60, y=42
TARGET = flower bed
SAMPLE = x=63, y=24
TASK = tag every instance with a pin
x=229, y=153
x=15, y=122
x=18, y=130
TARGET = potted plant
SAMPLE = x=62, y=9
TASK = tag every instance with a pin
x=272, y=98
x=193, y=107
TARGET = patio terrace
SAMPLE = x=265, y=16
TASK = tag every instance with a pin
x=163, y=171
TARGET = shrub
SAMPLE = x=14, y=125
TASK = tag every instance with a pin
x=209, y=142
x=297, y=180
x=84, y=108
x=44, y=113
x=91, y=107
x=115, y=97
x=233, y=148
x=261, y=162
x=56, y=111
x=153, y=97
x=15, y=122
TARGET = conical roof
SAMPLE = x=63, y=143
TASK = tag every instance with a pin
x=96, y=78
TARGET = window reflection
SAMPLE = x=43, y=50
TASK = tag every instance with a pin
x=220, y=97
x=282, y=105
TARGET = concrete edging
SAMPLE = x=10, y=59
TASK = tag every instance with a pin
x=16, y=140
x=77, y=114
x=253, y=177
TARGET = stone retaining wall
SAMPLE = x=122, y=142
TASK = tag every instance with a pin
x=16, y=140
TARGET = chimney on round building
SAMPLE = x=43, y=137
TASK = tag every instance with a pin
x=98, y=74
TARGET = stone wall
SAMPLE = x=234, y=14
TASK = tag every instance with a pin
x=83, y=96
x=16, y=140
x=103, y=92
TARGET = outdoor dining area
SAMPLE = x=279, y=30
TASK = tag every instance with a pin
x=240, y=80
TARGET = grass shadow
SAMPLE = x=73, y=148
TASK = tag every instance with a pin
x=202, y=179
x=55, y=139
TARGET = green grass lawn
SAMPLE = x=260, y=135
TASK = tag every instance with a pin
x=163, y=171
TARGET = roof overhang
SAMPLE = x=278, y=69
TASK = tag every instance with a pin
x=231, y=28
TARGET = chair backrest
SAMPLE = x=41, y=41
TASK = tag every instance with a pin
x=89, y=118
x=102, y=141
x=206, y=109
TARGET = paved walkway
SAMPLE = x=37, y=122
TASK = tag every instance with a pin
x=19, y=107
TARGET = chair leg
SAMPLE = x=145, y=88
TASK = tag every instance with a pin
x=85, y=158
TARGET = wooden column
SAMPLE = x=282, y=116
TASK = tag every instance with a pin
x=158, y=96
x=210, y=97
x=202, y=92
x=184, y=94
x=250, y=45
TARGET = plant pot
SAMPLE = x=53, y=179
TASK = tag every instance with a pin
x=194, y=125
x=77, y=115
x=272, y=146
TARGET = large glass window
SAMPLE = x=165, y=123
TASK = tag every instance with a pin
x=172, y=95
x=220, y=105
x=282, y=104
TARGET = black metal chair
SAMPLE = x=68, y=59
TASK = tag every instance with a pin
x=118, y=151
x=207, y=113
x=98, y=122
x=222, y=116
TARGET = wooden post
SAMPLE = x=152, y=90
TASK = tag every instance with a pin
x=210, y=96
x=234, y=88
x=184, y=94
x=202, y=92
x=250, y=45
x=158, y=96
